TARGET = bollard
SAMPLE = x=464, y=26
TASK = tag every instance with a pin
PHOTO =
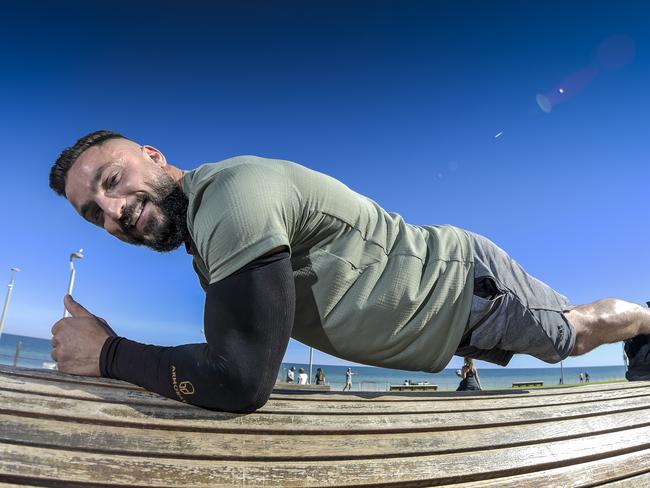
x=17, y=353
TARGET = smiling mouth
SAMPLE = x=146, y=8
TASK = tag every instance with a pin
x=137, y=214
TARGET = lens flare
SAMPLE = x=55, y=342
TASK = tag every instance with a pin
x=616, y=52
x=544, y=103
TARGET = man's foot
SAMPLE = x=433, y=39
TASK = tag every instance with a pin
x=637, y=351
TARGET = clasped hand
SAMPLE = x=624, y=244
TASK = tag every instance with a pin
x=77, y=340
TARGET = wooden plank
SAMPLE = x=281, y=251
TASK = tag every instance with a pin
x=633, y=468
x=12, y=485
x=519, y=384
x=297, y=387
x=463, y=395
x=210, y=445
x=33, y=463
x=142, y=397
x=97, y=392
x=189, y=418
x=413, y=387
x=447, y=404
x=64, y=377
x=638, y=481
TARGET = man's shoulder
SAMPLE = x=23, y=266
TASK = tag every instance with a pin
x=237, y=181
x=231, y=167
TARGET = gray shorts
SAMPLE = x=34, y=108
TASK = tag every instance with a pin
x=512, y=312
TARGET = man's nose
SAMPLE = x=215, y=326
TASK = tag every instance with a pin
x=113, y=208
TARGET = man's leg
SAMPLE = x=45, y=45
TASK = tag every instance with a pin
x=524, y=315
x=606, y=321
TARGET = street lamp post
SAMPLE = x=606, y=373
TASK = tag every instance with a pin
x=10, y=287
x=311, y=362
x=74, y=255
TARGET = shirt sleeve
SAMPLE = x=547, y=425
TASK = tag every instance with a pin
x=243, y=212
x=248, y=320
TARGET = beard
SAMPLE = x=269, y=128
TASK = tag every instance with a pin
x=167, y=231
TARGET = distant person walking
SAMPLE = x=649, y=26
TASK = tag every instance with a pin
x=348, y=380
x=582, y=378
x=470, y=380
x=303, y=379
x=320, y=377
x=586, y=377
x=291, y=374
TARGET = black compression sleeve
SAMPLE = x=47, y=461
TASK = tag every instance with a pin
x=248, y=320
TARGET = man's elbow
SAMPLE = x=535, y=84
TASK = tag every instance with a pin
x=241, y=399
x=252, y=396
x=243, y=403
x=251, y=404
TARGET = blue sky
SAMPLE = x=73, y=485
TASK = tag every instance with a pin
x=400, y=100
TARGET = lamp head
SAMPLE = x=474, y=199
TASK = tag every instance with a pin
x=15, y=270
x=78, y=255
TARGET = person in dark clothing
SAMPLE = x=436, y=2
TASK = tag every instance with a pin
x=320, y=377
x=469, y=373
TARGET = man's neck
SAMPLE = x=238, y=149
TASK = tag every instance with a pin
x=175, y=173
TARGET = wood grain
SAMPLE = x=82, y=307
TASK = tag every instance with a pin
x=38, y=463
x=64, y=430
x=215, y=445
x=627, y=467
x=193, y=418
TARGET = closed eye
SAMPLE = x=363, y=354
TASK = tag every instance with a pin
x=112, y=181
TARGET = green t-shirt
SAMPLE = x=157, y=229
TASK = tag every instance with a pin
x=370, y=288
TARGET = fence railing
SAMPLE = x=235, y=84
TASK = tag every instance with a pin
x=20, y=359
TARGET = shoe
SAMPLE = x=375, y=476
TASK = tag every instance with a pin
x=637, y=351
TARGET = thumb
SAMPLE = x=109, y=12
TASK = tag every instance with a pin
x=75, y=309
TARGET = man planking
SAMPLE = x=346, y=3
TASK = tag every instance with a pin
x=283, y=251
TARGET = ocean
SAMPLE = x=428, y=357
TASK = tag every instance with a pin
x=35, y=353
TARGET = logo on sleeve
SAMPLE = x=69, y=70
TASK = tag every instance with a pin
x=186, y=388
x=182, y=388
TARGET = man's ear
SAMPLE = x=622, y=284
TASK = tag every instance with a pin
x=155, y=155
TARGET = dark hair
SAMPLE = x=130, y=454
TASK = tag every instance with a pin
x=69, y=155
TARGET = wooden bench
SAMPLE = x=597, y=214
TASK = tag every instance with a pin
x=62, y=430
x=413, y=387
x=519, y=384
x=297, y=387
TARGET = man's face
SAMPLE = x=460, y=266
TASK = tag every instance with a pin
x=122, y=187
